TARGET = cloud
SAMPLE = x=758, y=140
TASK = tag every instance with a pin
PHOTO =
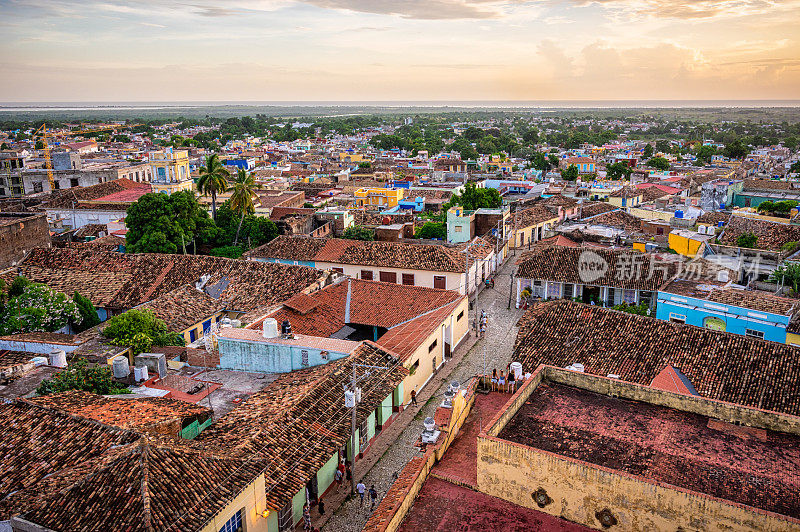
x=417, y=9
x=694, y=9
x=214, y=11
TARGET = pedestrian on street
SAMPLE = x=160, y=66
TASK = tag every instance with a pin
x=361, y=488
x=321, y=506
x=373, y=496
x=414, y=397
x=338, y=476
x=306, y=517
x=348, y=473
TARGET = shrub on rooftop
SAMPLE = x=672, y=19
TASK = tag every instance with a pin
x=140, y=329
x=357, y=232
x=89, y=316
x=80, y=376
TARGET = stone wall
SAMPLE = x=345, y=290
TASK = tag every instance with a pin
x=20, y=233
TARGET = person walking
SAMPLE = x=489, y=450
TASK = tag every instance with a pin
x=501, y=381
x=511, y=380
x=348, y=473
x=373, y=497
x=306, y=517
x=338, y=476
x=414, y=397
x=321, y=506
x=494, y=380
x=361, y=488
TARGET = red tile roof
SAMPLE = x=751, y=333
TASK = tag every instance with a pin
x=723, y=366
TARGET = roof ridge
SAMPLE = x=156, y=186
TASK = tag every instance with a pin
x=144, y=447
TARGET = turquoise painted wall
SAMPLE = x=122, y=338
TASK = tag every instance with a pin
x=371, y=426
x=298, y=501
x=327, y=474
x=268, y=358
x=195, y=428
x=385, y=411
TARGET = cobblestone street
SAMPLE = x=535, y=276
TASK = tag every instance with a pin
x=497, y=348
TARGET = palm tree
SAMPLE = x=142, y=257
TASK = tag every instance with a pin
x=213, y=180
x=242, y=197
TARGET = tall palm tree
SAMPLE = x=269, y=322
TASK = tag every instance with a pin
x=242, y=197
x=213, y=180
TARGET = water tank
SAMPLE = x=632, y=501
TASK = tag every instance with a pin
x=225, y=323
x=720, y=223
x=119, y=367
x=270, y=328
x=429, y=423
x=286, y=329
x=349, y=399
x=679, y=214
x=455, y=386
x=58, y=358
x=516, y=367
x=236, y=323
x=140, y=373
x=39, y=361
x=722, y=276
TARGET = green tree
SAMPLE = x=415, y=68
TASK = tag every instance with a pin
x=618, y=171
x=89, y=316
x=791, y=142
x=795, y=168
x=364, y=164
x=158, y=223
x=784, y=207
x=570, y=173
x=659, y=163
x=18, y=286
x=553, y=160
x=242, y=197
x=38, y=308
x=787, y=274
x=705, y=153
x=473, y=198
x=39, y=145
x=231, y=252
x=647, y=152
x=540, y=162
x=746, y=240
x=432, y=230
x=80, y=376
x=531, y=136
x=735, y=150
x=5, y=146
x=140, y=329
x=662, y=146
x=213, y=180
x=357, y=232
x=766, y=206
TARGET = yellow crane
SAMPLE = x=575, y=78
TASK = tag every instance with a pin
x=43, y=133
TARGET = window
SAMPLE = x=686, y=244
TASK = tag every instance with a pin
x=408, y=279
x=433, y=345
x=458, y=228
x=440, y=281
x=366, y=275
x=192, y=336
x=324, y=355
x=73, y=182
x=568, y=290
x=629, y=296
x=413, y=368
x=304, y=357
x=387, y=277
x=234, y=524
x=460, y=315
x=752, y=333
x=338, y=270
x=677, y=318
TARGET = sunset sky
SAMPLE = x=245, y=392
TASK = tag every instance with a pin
x=292, y=50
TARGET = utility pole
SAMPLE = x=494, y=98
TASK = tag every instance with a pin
x=510, y=290
x=353, y=430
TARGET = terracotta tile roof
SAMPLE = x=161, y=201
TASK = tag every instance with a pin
x=672, y=379
x=652, y=194
x=374, y=219
x=713, y=218
x=299, y=421
x=536, y=215
x=626, y=192
x=405, y=339
x=12, y=359
x=722, y=366
x=43, y=337
x=626, y=269
x=769, y=184
x=771, y=235
x=124, y=281
x=425, y=257
x=755, y=300
x=559, y=200
x=593, y=208
x=184, y=307
x=140, y=414
x=64, y=198
x=619, y=219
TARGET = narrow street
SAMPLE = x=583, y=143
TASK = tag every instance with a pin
x=496, y=347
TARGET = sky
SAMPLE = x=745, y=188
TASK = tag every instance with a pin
x=398, y=50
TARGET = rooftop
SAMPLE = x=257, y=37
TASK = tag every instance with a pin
x=299, y=340
x=770, y=235
x=722, y=366
x=756, y=467
x=757, y=300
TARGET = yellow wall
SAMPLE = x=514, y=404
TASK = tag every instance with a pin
x=425, y=358
x=648, y=214
x=352, y=157
x=793, y=339
x=683, y=245
x=378, y=197
x=528, y=231
x=639, y=246
x=253, y=501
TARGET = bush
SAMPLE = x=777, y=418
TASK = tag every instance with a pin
x=140, y=329
x=432, y=230
x=747, y=240
x=89, y=316
x=80, y=376
x=38, y=308
x=231, y=252
x=357, y=232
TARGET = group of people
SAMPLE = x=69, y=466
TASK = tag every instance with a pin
x=482, y=324
x=506, y=382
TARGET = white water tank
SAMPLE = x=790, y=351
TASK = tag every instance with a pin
x=270, y=328
x=516, y=367
x=236, y=323
x=349, y=399
x=429, y=423
x=119, y=367
x=225, y=323
x=140, y=373
x=722, y=276
x=58, y=358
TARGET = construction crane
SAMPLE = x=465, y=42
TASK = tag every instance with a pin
x=43, y=133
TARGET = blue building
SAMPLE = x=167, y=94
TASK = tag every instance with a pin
x=721, y=307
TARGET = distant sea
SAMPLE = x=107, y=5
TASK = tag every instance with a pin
x=533, y=104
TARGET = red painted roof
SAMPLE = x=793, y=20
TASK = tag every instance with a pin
x=127, y=195
x=671, y=379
